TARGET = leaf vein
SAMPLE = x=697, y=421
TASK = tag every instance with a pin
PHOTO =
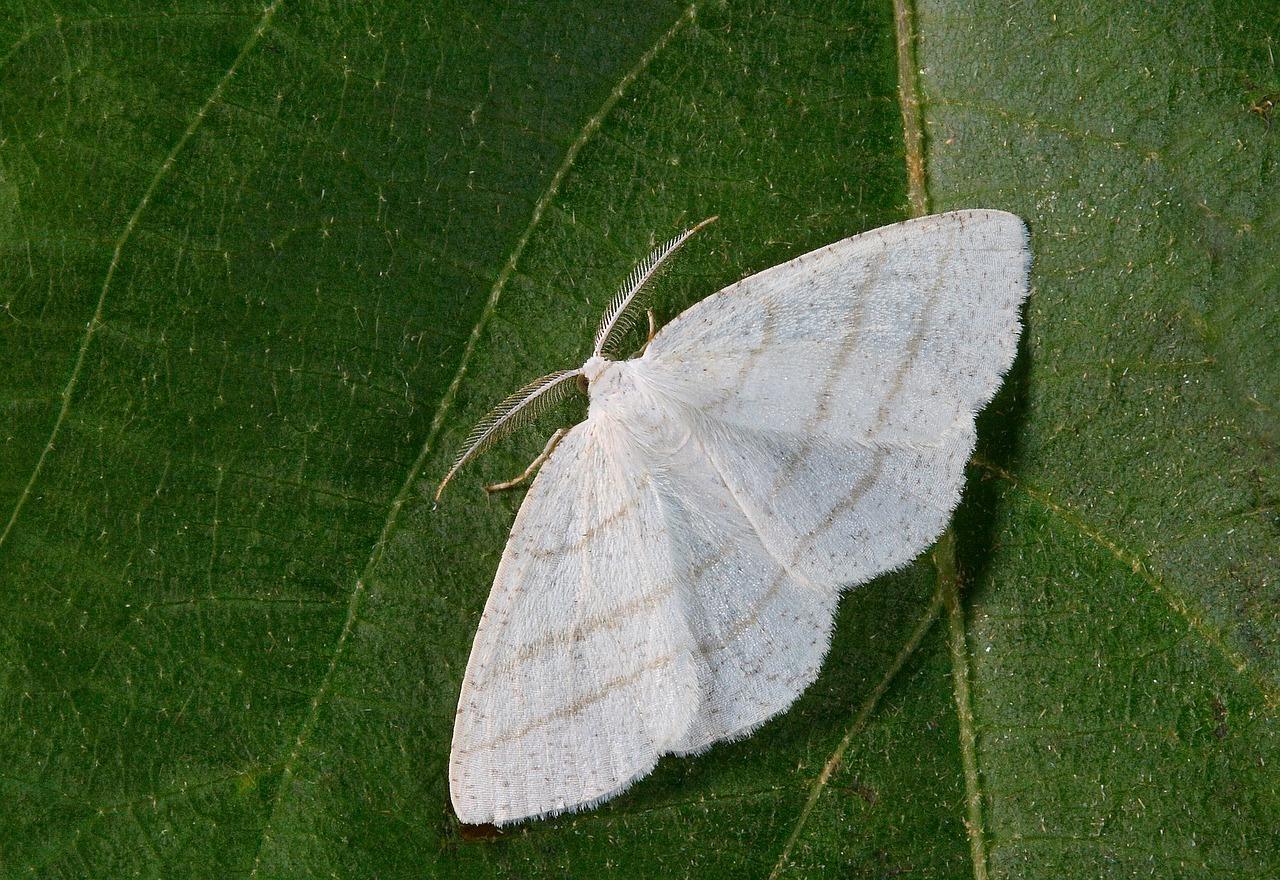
x=446, y=401
x=820, y=783
x=944, y=559
x=1197, y=622
x=95, y=322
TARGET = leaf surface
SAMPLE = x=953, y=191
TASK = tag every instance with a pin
x=265, y=266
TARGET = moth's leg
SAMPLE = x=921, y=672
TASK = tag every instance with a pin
x=533, y=465
x=653, y=331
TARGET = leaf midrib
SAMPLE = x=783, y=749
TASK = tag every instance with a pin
x=948, y=593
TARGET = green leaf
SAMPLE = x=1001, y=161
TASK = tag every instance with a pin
x=264, y=267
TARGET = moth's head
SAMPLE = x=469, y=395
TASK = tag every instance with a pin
x=604, y=380
x=594, y=367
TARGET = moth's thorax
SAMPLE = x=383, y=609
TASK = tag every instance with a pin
x=608, y=382
x=617, y=387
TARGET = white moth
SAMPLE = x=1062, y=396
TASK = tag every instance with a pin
x=672, y=574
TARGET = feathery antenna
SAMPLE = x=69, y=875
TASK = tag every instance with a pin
x=513, y=412
x=617, y=319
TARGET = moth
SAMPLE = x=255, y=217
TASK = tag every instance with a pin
x=673, y=572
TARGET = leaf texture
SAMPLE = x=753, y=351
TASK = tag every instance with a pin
x=264, y=265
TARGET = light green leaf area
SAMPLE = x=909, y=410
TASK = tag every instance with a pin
x=264, y=266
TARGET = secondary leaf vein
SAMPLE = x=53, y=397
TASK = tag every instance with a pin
x=829, y=769
x=131, y=224
x=1143, y=571
x=353, y=605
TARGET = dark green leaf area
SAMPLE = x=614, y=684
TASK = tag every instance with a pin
x=265, y=265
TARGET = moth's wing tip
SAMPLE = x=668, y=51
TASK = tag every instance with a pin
x=988, y=214
x=1016, y=226
x=1012, y=227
